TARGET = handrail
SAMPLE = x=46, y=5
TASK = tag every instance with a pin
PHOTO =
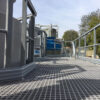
x=87, y=32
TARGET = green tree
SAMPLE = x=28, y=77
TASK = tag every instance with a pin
x=88, y=22
x=70, y=35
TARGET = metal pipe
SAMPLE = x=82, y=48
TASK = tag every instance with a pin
x=28, y=16
x=31, y=7
x=88, y=32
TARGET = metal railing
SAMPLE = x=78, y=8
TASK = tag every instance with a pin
x=94, y=45
x=78, y=47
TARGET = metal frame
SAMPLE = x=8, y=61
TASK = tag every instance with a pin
x=8, y=29
x=24, y=29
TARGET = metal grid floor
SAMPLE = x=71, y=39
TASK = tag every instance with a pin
x=56, y=78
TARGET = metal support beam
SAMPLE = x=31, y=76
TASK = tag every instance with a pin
x=23, y=34
x=94, y=43
x=31, y=7
x=28, y=16
x=9, y=22
x=31, y=41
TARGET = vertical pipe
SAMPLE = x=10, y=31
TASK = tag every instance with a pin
x=73, y=44
x=75, y=49
x=62, y=50
x=44, y=44
x=94, y=43
x=79, y=48
x=40, y=45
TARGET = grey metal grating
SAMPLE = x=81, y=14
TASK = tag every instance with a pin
x=56, y=78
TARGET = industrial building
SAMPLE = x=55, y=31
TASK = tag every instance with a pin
x=34, y=64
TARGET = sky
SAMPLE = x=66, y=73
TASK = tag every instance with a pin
x=64, y=13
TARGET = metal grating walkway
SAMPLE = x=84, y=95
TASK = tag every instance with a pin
x=56, y=78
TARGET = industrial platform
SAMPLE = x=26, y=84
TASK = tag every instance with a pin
x=56, y=78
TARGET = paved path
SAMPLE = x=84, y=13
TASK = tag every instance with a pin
x=56, y=78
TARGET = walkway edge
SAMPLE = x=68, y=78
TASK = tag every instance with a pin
x=16, y=73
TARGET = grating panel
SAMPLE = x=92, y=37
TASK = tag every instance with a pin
x=57, y=78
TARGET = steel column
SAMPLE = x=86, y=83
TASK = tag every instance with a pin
x=31, y=42
x=9, y=26
x=23, y=34
x=40, y=45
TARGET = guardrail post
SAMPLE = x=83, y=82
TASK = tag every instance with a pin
x=85, y=46
x=79, y=48
x=94, y=43
x=73, y=44
x=75, y=50
x=62, y=50
x=23, y=34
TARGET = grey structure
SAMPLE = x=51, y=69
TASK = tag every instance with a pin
x=13, y=34
x=40, y=42
x=51, y=30
x=11, y=43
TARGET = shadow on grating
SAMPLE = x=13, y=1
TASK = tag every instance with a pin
x=53, y=82
x=71, y=89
